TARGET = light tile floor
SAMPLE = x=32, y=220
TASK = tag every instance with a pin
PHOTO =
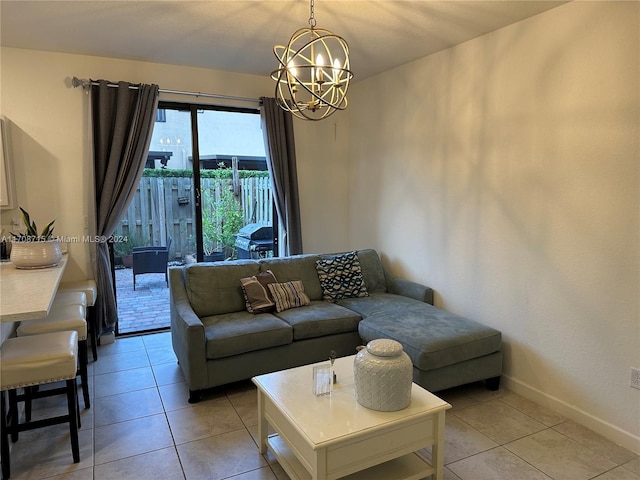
x=140, y=426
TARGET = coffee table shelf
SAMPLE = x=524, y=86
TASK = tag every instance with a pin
x=407, y=467
x=332, y=436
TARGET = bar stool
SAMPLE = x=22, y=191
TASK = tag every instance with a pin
x=31, y=361
x=62, y=318
x=70, y=298
x=90, y=289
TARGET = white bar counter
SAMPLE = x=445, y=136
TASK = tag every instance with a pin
x=28, y=294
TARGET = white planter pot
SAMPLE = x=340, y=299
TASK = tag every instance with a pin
x=37, y=254
x=383, y=373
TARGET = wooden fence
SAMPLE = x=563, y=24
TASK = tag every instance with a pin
x=164, y=207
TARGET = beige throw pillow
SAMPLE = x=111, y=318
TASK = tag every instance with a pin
x=288, y=295
x=256, y=294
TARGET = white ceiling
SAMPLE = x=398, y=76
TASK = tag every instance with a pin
x=238, y=36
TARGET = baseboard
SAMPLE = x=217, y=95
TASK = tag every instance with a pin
x=613, y=433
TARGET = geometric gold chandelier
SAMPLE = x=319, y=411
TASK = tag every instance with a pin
x=314, y=72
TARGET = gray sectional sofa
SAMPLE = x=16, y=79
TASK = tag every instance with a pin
x=217, y=341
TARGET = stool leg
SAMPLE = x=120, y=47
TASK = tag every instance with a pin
x=13, y=415
x=82, y=362
x=72, y=395
x=28, y=392
x=6, y=463
x=93, y=331
x=78, y=408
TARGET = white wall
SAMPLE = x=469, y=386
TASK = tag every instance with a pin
x=323, y=179
x=504, y=173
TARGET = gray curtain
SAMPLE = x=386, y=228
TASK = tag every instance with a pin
x=123, y=119
x=277, y=128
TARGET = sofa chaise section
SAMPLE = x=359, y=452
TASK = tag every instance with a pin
x=446, y=350
x=433, y=338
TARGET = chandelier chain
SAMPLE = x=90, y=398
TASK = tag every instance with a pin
x=312, y=17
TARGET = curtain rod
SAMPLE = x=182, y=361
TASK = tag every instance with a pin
x=85, y=84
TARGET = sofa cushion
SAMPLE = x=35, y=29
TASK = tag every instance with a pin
x=341, y=277
x=240, y=332
x=215, y=288
x=432, y=337
x=372, y=271
x=256, y=294
x=319, y=319
x=288, y=295
x=297, y=267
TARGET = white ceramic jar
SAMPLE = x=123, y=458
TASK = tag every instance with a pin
x=383, y=374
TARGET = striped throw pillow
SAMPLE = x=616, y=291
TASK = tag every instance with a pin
x=288, y=295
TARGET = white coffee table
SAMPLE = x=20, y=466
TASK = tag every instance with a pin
x=332, y=436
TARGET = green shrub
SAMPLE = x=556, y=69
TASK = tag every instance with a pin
x=224, y=173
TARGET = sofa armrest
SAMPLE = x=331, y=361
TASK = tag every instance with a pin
x=187, y=333
x=410, y=289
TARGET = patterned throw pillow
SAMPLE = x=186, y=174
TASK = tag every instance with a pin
x=256, y=294
x=288, y=295
x=341, y=277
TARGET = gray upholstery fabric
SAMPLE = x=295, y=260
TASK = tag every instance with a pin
x=187, y=331
x=433, y=338
x=217, y=290
x=469, y=371
x=410, y=289
x=319, y=319
x=217, y=341
x=240, y=367
x=301, y=267
x=240, y=332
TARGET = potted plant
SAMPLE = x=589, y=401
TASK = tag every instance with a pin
x=124, y=249
x=32, y=249
x=220, y=224
x=189, y=255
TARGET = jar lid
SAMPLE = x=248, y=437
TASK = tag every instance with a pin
x=384, y=347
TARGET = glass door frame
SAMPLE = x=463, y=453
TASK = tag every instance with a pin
x=195, y=154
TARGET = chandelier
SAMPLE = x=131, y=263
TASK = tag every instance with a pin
x=313, y=76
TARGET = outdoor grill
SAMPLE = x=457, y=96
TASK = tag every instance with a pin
x=254, y=241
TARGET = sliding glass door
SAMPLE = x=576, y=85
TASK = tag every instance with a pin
x=205, y=195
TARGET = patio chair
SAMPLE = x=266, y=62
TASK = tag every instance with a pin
x=151, y=260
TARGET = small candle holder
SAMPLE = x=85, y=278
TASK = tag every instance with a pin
x=321, y=379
